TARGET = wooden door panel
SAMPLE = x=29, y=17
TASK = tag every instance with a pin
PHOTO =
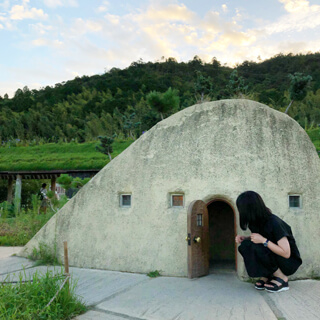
x=198, y=239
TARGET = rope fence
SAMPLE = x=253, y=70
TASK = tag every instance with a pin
x=62, y=285
x=66, y=275
x=27, y=281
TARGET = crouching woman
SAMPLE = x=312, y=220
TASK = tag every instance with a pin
x=270, y=253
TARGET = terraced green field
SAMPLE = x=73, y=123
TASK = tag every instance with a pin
x=57, y=156
x=73, y=155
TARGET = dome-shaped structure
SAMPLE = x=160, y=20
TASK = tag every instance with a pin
x=133, y=215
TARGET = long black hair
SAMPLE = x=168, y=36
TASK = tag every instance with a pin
x=253, y=211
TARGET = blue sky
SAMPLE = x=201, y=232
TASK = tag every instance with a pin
x=50, y=41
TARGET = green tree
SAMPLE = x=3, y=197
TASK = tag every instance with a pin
x=105, y=146
x=298, y=87
x=236, y=85
x=130, y=124
x=65, y=181
x=79, y=183
x=164, y=102
x=202, y=87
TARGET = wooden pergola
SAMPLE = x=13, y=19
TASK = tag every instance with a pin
x=52, y=175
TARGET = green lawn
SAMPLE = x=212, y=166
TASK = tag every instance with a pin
x=314, y=135
x=54, y=156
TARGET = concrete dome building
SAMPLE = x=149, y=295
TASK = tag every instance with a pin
x=180, y=180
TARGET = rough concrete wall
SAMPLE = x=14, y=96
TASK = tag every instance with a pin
x=216, y=149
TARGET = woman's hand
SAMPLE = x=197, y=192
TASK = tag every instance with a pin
x=257, y=238
x=239, y=239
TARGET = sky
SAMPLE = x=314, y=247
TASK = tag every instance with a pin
x=50, y=41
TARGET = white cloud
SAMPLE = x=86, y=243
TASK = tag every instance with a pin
x=5, y=4
x=20, y=13
x=53, y=3
x=162, y=30
x=307, y=17
x=295, y=5
x=224, y=8
x=41, y=42
x=93, y=26
x=61, y=3
x=73, y=73
x=1, y=26
x=113, y=19
x=72, y=3
x=172, y=12
x=41, y=28
x=57, y=43
x=81, y=27
x=104, y=6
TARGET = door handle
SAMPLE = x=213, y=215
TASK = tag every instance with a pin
x=196, y=239
x=188, y=239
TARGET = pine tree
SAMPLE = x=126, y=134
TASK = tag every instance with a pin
x=105, y=146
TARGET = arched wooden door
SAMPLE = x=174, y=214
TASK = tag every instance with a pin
x=198, y=239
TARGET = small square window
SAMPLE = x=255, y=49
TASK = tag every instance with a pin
x=125, y=200
x=177, y=200
x=294, y=201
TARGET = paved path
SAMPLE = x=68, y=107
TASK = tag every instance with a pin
x=119, y=296
x=6, y=252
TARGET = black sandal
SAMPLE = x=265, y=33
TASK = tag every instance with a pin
x=261, y=285
x=284, y=286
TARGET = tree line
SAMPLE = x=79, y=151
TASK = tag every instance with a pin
x=127, y=102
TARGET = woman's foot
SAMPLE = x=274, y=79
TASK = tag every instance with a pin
x=279, y=282
x=260, y=284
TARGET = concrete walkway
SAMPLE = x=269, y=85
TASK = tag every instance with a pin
x=6, y=252
x=119, y=296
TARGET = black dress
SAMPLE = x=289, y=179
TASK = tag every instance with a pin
x=261, y=261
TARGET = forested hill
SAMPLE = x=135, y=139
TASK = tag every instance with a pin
x=116, y=101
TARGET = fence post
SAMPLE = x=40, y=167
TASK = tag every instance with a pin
x=66, y=262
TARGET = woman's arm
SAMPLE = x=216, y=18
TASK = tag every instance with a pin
x=282, y=248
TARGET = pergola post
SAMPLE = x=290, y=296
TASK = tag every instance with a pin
x=10, y=189
x=17, y=195
x=53, y=185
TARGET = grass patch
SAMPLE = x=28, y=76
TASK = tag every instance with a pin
x=44, y=255
x=19, y=230
x=28, y=300
x=314, y=135
x=56, y=156
x=154, y=274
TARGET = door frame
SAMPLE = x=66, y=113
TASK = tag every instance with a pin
x=228, y=202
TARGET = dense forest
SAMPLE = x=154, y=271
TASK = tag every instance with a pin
x=124, y=102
